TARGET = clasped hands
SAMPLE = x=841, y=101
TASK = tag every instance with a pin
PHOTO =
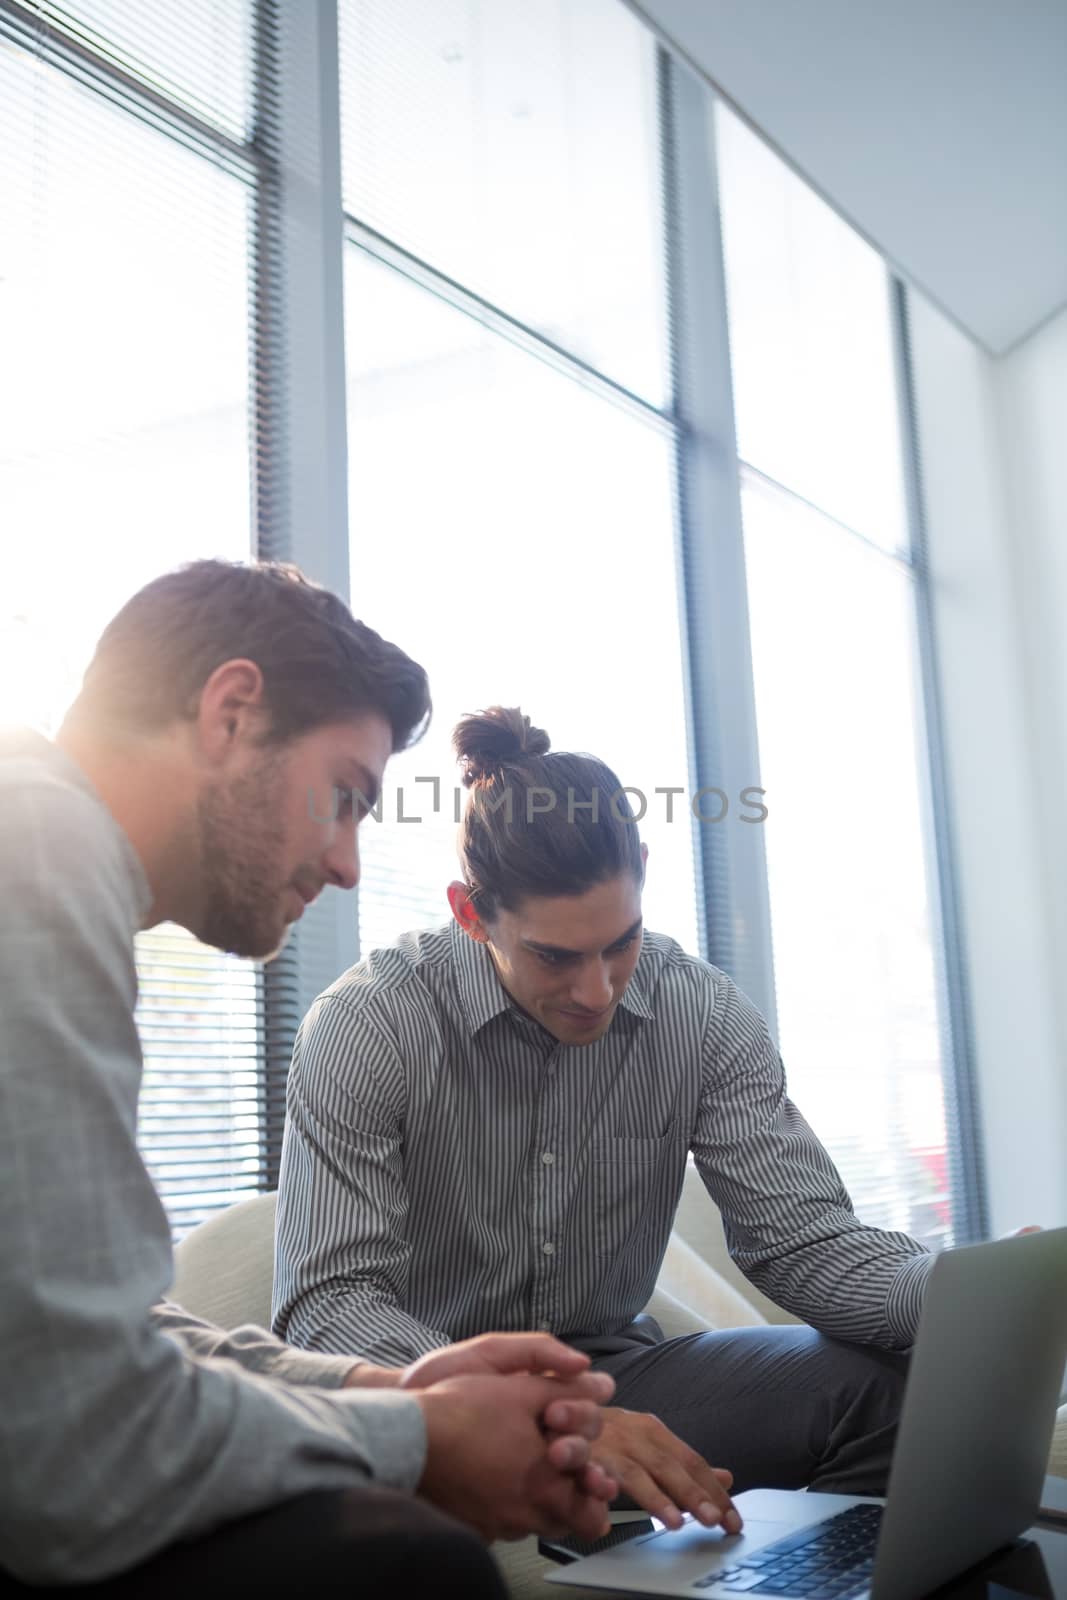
x=520, y=1440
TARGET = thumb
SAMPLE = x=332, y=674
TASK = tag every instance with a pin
x=540, y=1393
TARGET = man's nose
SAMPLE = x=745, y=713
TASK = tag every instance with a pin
x=341, y=860
x=592, y=991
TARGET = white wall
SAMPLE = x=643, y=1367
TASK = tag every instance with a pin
x=995, y=487
x=1032, y=406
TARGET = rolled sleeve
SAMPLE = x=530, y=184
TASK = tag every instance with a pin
x=788, y=1219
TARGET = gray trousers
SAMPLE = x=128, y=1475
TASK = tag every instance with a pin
x=781, y=1407
x=364, y=1541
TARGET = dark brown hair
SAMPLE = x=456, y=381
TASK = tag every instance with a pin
x=537, y=821
x=319, y=664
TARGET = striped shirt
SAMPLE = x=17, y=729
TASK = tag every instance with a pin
x=449, y=1167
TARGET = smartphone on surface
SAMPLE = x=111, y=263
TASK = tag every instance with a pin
x=571, y=1549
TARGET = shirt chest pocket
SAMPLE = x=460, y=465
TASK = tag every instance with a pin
x=635, y=1187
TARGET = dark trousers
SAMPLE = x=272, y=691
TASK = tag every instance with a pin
x=360, y=1542
x=781, y=1407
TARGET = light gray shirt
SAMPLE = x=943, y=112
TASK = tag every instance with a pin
x=449, y=1167
x=125, y=1424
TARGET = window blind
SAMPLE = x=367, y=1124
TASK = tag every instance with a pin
x=197, y=56
x=126, y=297
x=200, y=1017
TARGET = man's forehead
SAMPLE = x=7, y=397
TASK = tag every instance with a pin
x=588, y=922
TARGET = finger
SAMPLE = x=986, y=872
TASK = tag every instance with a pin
x=580, y=1513
x=532, y=1352
x=694, y=1487
x=595, y=1387
x=568, y=1454
x=595, y=1481
x=725, y=1477
x=574, y=1416
x=647, y=1493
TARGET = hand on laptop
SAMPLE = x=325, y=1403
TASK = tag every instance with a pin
x=661, y=1473
x=489, y=1462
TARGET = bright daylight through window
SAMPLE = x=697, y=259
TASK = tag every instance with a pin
x=124, y=451
x=515, y=429
x=833, y=646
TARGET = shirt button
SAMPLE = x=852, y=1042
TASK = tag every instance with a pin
x=549, y=1248
x=544, y=1327
x=547, y=1157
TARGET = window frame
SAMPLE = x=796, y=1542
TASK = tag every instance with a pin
x=292, y=163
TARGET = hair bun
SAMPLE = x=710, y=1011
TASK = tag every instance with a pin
x=488, y=741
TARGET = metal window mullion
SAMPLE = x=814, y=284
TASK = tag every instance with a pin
x=962, y=1117
x=498, y=321
x=724, y=749
x=300, y=512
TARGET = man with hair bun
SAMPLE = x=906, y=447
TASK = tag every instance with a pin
x=489, y=1125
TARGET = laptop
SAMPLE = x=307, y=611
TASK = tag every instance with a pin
x=968, y=1467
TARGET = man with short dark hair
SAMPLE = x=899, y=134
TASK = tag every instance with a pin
x=196, y=780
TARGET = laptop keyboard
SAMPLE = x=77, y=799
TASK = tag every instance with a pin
x=830, y=1561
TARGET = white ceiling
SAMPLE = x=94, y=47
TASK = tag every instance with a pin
x=937, y=127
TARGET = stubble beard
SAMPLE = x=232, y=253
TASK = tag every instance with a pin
x=242, y=844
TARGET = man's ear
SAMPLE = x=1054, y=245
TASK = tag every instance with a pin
x=230, y=708
x=459, y=898
x=644, y=863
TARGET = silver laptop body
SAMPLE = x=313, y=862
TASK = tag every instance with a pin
x=971, y=1452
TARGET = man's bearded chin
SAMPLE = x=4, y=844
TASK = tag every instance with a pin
x=241, y=844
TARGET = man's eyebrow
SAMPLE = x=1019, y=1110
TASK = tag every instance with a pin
x=560, y=950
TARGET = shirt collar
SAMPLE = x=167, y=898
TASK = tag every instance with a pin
x=481, y=993
x=635, y=996
x=483, y=996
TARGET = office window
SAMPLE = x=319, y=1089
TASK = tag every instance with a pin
x=512, y=145
x=514, y=473
x=832, y=613
x=519, y=528
x=124, y=450
x=814, y=390
x=833, y=646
